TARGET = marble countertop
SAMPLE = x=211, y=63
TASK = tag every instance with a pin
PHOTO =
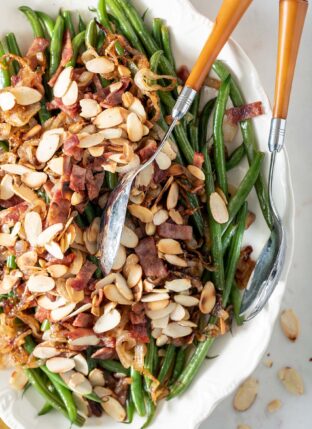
x=257, y=34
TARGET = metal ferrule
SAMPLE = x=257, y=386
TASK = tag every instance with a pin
x=183, y=102
x=277, y=134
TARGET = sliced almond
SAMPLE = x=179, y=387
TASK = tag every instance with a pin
x=27, y=260
x=137, y=107
x=291, y=380
x=6, y=188
x=91, y=140
x=120, y=258
x=54, y=249
x=186, y=301
x=56, y=165
x=161, y=340
x=290, y=324
x=61, y=312
x=40, y=283
x=122, y=287
x=109, y=279
x=25, y=193
x=160, y=217
x=161, y=313
x=135, y=273
x=112, y=133
x=163, y=161
x=107, y=321
x=150, y=229
x=96, y=378
x=274, y=405
x=109, y=118
x=169, y=246
x=102, y=392
x=176, y=260
x=79, y=384
x=45, y=352
x=246, y=394
x=173, y=197
x=218, y=208
x=207, y=298
x=60, y=364
x=79, y=310
x=71, y=95
x=57, y=270
x=63, y=82
x=81, y=404
x=45, y=302
x=134, y=128
x=129, y=238
x=7, y=101
x=178, y=313
x=157, y=305
x=15, y=169
x=174, y=330
x=86, y=340
x=47, y=147
x=111, y=292
x=196, y=172
x=89, y=108
x=96, y=151
x=25, y=96
x=81, y=364
x=100, y=65
x=35, y=179
x=143, y=213
x=114, y=409
x=7, y=240
x=160, y=323
x=178, y=285
x=33, y=227
x=49, y=233
x=151, y=297
x=145, y=176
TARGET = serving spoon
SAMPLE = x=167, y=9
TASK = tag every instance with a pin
x=114, y=216
x=270, y=263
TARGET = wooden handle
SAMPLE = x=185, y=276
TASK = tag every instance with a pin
x=291, y=21
x=228, y=17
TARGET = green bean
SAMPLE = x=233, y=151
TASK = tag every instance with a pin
x=236, y=157
x=203, y=122
x=219, y=149
x=5, y=79
x=119, y=49
x=238, y=199
x=89, y=213
x=179, y=364
x=149, y=363
x=77, y=43
x=113, y=366
x=193, y=126
x=47, y=407
x=227, y=237
x=34, y=20
x=100, y=40
x=56, y=44
x=130, y=410
x=249, y=141
x=98, y=273
x=165, y=37
x=11, y=262
x=113, y=20
x=43, y=113
x=102, y=14
x=214, y=227
x=29, y=344
x=167, y=363
x=150, y=410
x=91, y=34
x=154, y=60
x=156, y=30
x=4, y=146
x=196, y=215
x=236, y=299
x=136, y=390
x=47, y=22
x=45, y=325
x=234, y=254
x=193, y=132
x=67, y=398
x=13, y=49
x=80, y=221
x=69, y=25
x=125, y=25
x=81, y=24
x=184, y=144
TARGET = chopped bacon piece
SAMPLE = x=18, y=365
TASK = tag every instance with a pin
x=159, y=175
x=59, y=207
x=42, y=314
x=67, y=168
x=13, y=201
x=84, y=320
x=71, y=147
x=67, y=54
x=85, y=274
x=121, y=390
x=95, y=408
x=104, y=353
x=137, y=314
x=198, y=159
x=94, y=183
x=148, y=150
x=152, y=265
x=38, y=45
x=247, y=111
x=139, y=332
x=78, y=332
x=57, y=103
x=78, y=178
x=12, y=214
x=67, y=260
x=183, y=73
x=178, y=232
x=245, y=267
x=114, y=98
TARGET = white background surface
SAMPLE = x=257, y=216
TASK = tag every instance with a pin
x=257, y=34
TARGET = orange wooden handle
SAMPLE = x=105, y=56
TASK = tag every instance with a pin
x=291, y=21
x=228, y=17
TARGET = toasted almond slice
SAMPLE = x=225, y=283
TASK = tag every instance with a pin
x=57, y=270
x=63, y=82
x=6, y=187
x=112, y=293
x=49, y=233
x=40, y=283
x=25, y=193
x=25, y=96
x=34, y=179
x=196, y=172
x=145, y=176
x=151, y=297
x=79, y=310
x=114, y=409
x=160, y=323
x=100, y=65
x=161, y=340
x=160, y=217
x=178, y=313
x=7, y=101
x=157, y=305
x=79, y=384
x=61, y=312
x=291, y=380
x=174, y=330
x=159, y=314
x=81, y=404
x=137, y=107
x=96, y=151
x=176, y=216
x=178, y=285
x=175, y=260
x=188, y=323
x=86, y=340
x=102, y=392
x=7, y=240
x=135, y=273
x=290, y=324
x=60, y=364
x=109, y=279
x=81, y=364
x=89, y=108
x=122, y=287
x=33, y=227
x=129, y=238
x=150, y=229
x=71, y=95
x=143, y=213
x=163, y=161
x=96, y=378
x=91, y=140
x=173, y=196
x=134, y=127
x=15, y=169
x=186, y=301
x=107, y=321
x=109, y=118
x=207, y=298
x=54, y=249
x=274, y=405
x=18, y=379
x=47, y=304
x=111, y=133
x=47, y=147
x=120, y=258
x=56, y=165
x=45, y=352
x=169, y=246
x=246, y=394
x=27, y=260
x=218, y=208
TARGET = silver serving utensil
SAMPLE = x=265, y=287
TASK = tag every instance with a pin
x=114, y=215
x=270, y=263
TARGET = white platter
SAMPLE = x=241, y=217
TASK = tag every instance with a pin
x=240, y=352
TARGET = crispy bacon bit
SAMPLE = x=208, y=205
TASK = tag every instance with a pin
x=71, y=147
x=42, y=314
x=121, y=390
x=78, y=178
x=67, y=54
x=95, y=408
x=137, y=315
x=148, y=150
x=57, y=103
x=94, y=183
x=139, y=332
x=85, y=274
x=104, y=353
x=12, y=214
x=183, y=73
x=59, y=206
x=178, y=232
x=101, y=93
x=198, y=159
x=247, y=111
x=114, y=97
x=152, y=265
x=159, y=175
x=67, y=260
x=38, y=45
x=78, y=332
x=84, y=320
x=245, y=267
x=13, y=201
